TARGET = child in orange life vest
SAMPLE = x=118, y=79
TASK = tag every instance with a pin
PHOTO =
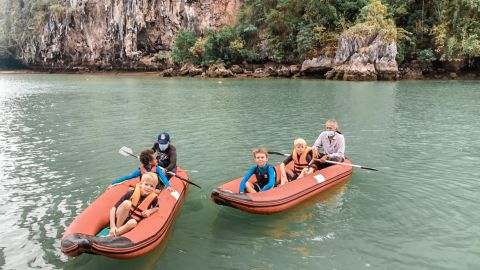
x=301, y=156
x=134, y=206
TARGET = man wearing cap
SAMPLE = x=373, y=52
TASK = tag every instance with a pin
x=166, y=154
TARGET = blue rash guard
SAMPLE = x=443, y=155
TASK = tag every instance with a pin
x=271, y=177
x=137, y=174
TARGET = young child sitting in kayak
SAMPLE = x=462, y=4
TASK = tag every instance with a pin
x=148, y=159
x=264, y=173
x=302, y=157
x=134, y=206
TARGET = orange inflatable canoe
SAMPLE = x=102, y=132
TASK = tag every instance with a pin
x=280, y=198
x=80, y=236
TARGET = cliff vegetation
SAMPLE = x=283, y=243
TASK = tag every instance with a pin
x=338, y=39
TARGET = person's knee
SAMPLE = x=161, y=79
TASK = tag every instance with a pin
x=132, y=223
x=126, y=205
x=292, y=176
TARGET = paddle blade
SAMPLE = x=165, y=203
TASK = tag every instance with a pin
x=278, y=153
x=125, y=151
x=183, y=179
x=367, y=168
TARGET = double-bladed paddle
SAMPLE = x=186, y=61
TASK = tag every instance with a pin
x=329, y=161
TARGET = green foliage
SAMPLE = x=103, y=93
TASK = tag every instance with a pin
x=294, y=29
x=162, y=55
x=471, y=45
x=225, y=46
x=426, y=55
x=306, y=39
x=401, y=52
x=457, y=33
x=373, y=19
x=291, y=30
x=183, y=42
x=405, y=42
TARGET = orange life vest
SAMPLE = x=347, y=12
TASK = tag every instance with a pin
x=138, y=207
x=143, y=170
x=300, y=162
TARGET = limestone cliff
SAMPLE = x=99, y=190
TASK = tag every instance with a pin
x=358, y=57
x=119, y=34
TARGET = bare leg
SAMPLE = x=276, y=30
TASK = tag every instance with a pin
x=250, y=188
x=305, y=171
x=283, y=175
x=127, y=227
x=290, y=176
x=122, y=212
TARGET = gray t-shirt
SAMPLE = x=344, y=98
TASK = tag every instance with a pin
x=335, y=149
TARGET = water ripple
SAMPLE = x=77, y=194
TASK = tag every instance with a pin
x=60, y=135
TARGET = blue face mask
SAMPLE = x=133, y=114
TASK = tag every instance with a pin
x=163, y=147
x=330, y=133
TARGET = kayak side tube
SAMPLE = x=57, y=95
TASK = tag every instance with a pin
x=280, y=198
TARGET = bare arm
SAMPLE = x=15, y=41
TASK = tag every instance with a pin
x=149, y=212
x=113, y=226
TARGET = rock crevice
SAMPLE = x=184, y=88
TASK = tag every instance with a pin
x=118, y=34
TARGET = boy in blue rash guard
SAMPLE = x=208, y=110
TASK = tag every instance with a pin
x=264, y=173
x=149, y=164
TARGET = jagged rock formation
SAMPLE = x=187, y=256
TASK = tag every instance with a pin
x=317, y=66
x=357, y=58
x=119, y=34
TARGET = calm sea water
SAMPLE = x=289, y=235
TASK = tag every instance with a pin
x=60, y=134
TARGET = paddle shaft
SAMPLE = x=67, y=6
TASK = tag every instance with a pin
x=328, y=161
x=348, y=164
x=169, y=172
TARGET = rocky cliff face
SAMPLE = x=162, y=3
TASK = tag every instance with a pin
x=119, y=34
x=357, y=58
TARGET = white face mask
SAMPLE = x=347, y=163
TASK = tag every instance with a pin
x=163, y=147
x=330, y=133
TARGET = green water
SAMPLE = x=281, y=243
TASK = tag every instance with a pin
x=60, y=134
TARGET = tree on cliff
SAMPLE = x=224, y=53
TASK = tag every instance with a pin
x=181, y=48
x=373, y=20
x=451, y=28
x=266, y=30
x=224, y=46
x=290, y=30
x=458, y=32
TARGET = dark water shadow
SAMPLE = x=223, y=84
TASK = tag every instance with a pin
x=147, y=261
x=276, y=225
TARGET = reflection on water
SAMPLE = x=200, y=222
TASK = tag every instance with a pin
x=60, y=134
x=300, y=220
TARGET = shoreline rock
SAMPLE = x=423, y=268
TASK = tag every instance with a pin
x=412, y=70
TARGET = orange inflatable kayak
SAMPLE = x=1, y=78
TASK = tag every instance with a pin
x=80, y=237
x=280, y=198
